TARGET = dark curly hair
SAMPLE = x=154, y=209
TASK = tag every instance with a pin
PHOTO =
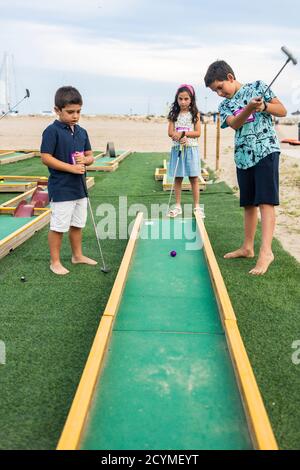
x=175, y=109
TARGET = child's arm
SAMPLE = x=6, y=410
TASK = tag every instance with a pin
x=172, y=133
x=274, y=107
x=89, y=159
x=56, y=164
x=197, y=129
x=239, y=120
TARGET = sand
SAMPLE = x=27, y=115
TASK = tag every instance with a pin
x=144, y=134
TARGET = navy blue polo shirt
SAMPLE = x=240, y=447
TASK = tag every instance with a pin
x=60, y=141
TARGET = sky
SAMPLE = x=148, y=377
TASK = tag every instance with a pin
x=129, y=56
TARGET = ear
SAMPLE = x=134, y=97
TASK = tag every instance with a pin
x=230, y=77
x=57, y=110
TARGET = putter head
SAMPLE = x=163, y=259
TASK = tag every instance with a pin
x=289, y=55
x=27, y=93
x=105, y=269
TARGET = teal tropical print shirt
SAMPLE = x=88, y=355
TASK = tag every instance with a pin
x=254, y=140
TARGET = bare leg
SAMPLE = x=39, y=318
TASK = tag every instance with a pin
x=250, y=224
x=178, y=183
x=266, y=256
x=55, y=240
x=195, y=189
x=75, y=235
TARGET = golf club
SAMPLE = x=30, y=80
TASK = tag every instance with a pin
x=10, y=110
x=290, y=58
x=104, y=268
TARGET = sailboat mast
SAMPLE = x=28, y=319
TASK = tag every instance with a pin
x=7, y=83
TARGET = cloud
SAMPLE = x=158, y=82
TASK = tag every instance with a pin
x=156, y=57
x=71, y=49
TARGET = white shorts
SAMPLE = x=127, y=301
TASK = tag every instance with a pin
x=68, y=214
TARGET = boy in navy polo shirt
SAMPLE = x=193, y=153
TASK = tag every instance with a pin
x=66, y=150
x=256, y=156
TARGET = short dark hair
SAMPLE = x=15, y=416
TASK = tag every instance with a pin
x=218, y=70
x=67, y=95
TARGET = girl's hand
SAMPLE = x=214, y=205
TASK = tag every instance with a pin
x=78, y=169
x=183, y=141
x=176, y=136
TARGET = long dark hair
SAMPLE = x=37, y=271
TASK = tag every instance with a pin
x=175, y=109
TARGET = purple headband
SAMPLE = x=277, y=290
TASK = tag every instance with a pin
x=189, y=87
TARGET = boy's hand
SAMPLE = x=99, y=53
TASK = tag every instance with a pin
x=79, y=157
x=78, y=169
x=256, y=104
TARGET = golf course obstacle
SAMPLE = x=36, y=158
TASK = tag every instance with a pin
x=11, y=156
x=168, y=368
x=104, y=162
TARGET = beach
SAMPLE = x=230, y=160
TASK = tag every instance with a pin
x=149, y=134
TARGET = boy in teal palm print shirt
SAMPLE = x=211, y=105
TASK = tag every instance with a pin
x=256, y=155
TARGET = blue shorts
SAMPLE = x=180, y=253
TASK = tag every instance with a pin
x=260, y=183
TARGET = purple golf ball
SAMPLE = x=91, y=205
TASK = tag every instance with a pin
x=173, y=253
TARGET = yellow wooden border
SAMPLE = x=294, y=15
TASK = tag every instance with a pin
x=109, y=166
x=258, y=421
x=118, y=287
x=18, y=158
x=15, y=200
x=17, y=187
x=72, y=432
x=37, y=179
x=70, y=437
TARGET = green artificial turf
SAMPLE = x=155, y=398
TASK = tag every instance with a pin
x=48, y=323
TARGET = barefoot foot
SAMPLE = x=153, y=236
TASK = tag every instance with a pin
x=240, y=253
x=83, y=260
x=263, y=263
x=58, y=269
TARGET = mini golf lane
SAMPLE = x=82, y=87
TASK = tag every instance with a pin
x=167, y=380
x=9, y=224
